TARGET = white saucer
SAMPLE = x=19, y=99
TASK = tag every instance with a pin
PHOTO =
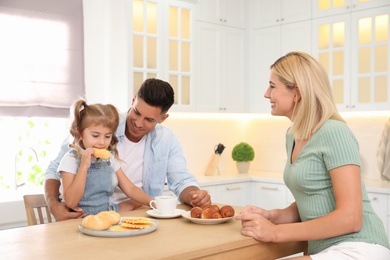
x=153, y=213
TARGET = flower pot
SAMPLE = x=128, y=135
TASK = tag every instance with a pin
x=243, y=167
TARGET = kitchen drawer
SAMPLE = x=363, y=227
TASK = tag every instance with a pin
x=379, y=203
x=269, y=195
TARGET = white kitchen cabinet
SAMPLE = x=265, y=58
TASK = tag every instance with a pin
x=269, y=195
x=225, y=12
x=354, y=49
x=267, y=45
x=162, y=41
x=276, y=28
x=266, y=13
x=323, y=8
x=220, y=73
x=379, y=204
x=237, y=194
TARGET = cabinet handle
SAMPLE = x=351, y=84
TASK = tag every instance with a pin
x=374, y=199
x=269, y=188
x=233, y=188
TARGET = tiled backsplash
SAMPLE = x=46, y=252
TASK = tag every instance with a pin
x=198, y=137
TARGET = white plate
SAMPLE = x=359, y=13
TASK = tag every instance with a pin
x=204, y=221
x=153, y=213
x=109, y=233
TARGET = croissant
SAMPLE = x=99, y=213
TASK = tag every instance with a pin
x=196, y=212
x=102, y=153
x=210, y=213
x=227, y=211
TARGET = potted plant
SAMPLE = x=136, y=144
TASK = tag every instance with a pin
x=243, y=153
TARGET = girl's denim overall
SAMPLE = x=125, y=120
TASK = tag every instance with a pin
x=100, y=185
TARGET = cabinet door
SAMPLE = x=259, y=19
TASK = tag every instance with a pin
x=266, y=49
x=220, y=83
x=379, y=203
x=354, y=49
x=323, y=8
x=269, y=44
x=207, y=72
x=224, y=12
x=370, y=62
x=331, y=45
x=236, y=194
x=234, y=13
x=266, y=13
x=162, y=47
x=232, y=67
x=269, y=195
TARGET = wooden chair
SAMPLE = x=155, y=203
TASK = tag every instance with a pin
x=36, y=203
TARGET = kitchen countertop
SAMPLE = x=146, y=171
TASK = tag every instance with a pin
x=377, y=186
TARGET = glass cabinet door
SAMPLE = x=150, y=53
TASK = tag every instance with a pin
x=179, y=50
x=323, y=8
x=332, y=44
x=354, y=49
x=370, y=60
x=146, y=41
x=162, y=43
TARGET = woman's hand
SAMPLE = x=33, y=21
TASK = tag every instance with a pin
x=255, y=210
x=256, y=225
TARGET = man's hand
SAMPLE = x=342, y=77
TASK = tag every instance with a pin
x=58, y=209
x=61, y=212
x=195, y=197
x=200, y=198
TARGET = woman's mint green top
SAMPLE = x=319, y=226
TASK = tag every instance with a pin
x=308, y=178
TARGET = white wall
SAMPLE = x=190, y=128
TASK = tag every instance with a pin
x=199, y=136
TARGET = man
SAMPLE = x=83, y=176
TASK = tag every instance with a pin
x=151, y=154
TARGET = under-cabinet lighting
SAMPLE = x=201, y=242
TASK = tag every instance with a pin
x=248, y=116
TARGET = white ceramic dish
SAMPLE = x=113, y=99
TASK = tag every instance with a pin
x=130, y=233
x=187, y=215
x=153, y=213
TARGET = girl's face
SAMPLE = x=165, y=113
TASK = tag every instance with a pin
x=96, y=136
x=282, y=99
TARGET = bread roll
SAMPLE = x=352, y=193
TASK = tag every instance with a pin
x=111, y=215
x=94, y=222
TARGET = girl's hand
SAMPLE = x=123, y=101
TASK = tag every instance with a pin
x=86, y=158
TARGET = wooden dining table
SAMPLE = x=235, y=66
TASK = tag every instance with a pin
x=175, y=238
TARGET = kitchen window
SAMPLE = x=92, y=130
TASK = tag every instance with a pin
x=41, y=74
x=41, y=52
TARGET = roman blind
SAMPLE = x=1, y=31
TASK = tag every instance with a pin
x=41, y=57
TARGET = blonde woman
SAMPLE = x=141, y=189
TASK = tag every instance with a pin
x=323, y=171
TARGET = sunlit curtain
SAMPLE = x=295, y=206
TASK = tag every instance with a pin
x=41, y=57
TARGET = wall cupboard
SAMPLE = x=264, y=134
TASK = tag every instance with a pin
x=217, y=53
x=223, y=12
x=163, y=47
x=277, y=27
x=354, y=48
x=220, y=54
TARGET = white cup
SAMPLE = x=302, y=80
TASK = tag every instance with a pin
x=165, y=205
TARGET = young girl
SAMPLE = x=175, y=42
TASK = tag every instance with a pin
x=87, y=181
